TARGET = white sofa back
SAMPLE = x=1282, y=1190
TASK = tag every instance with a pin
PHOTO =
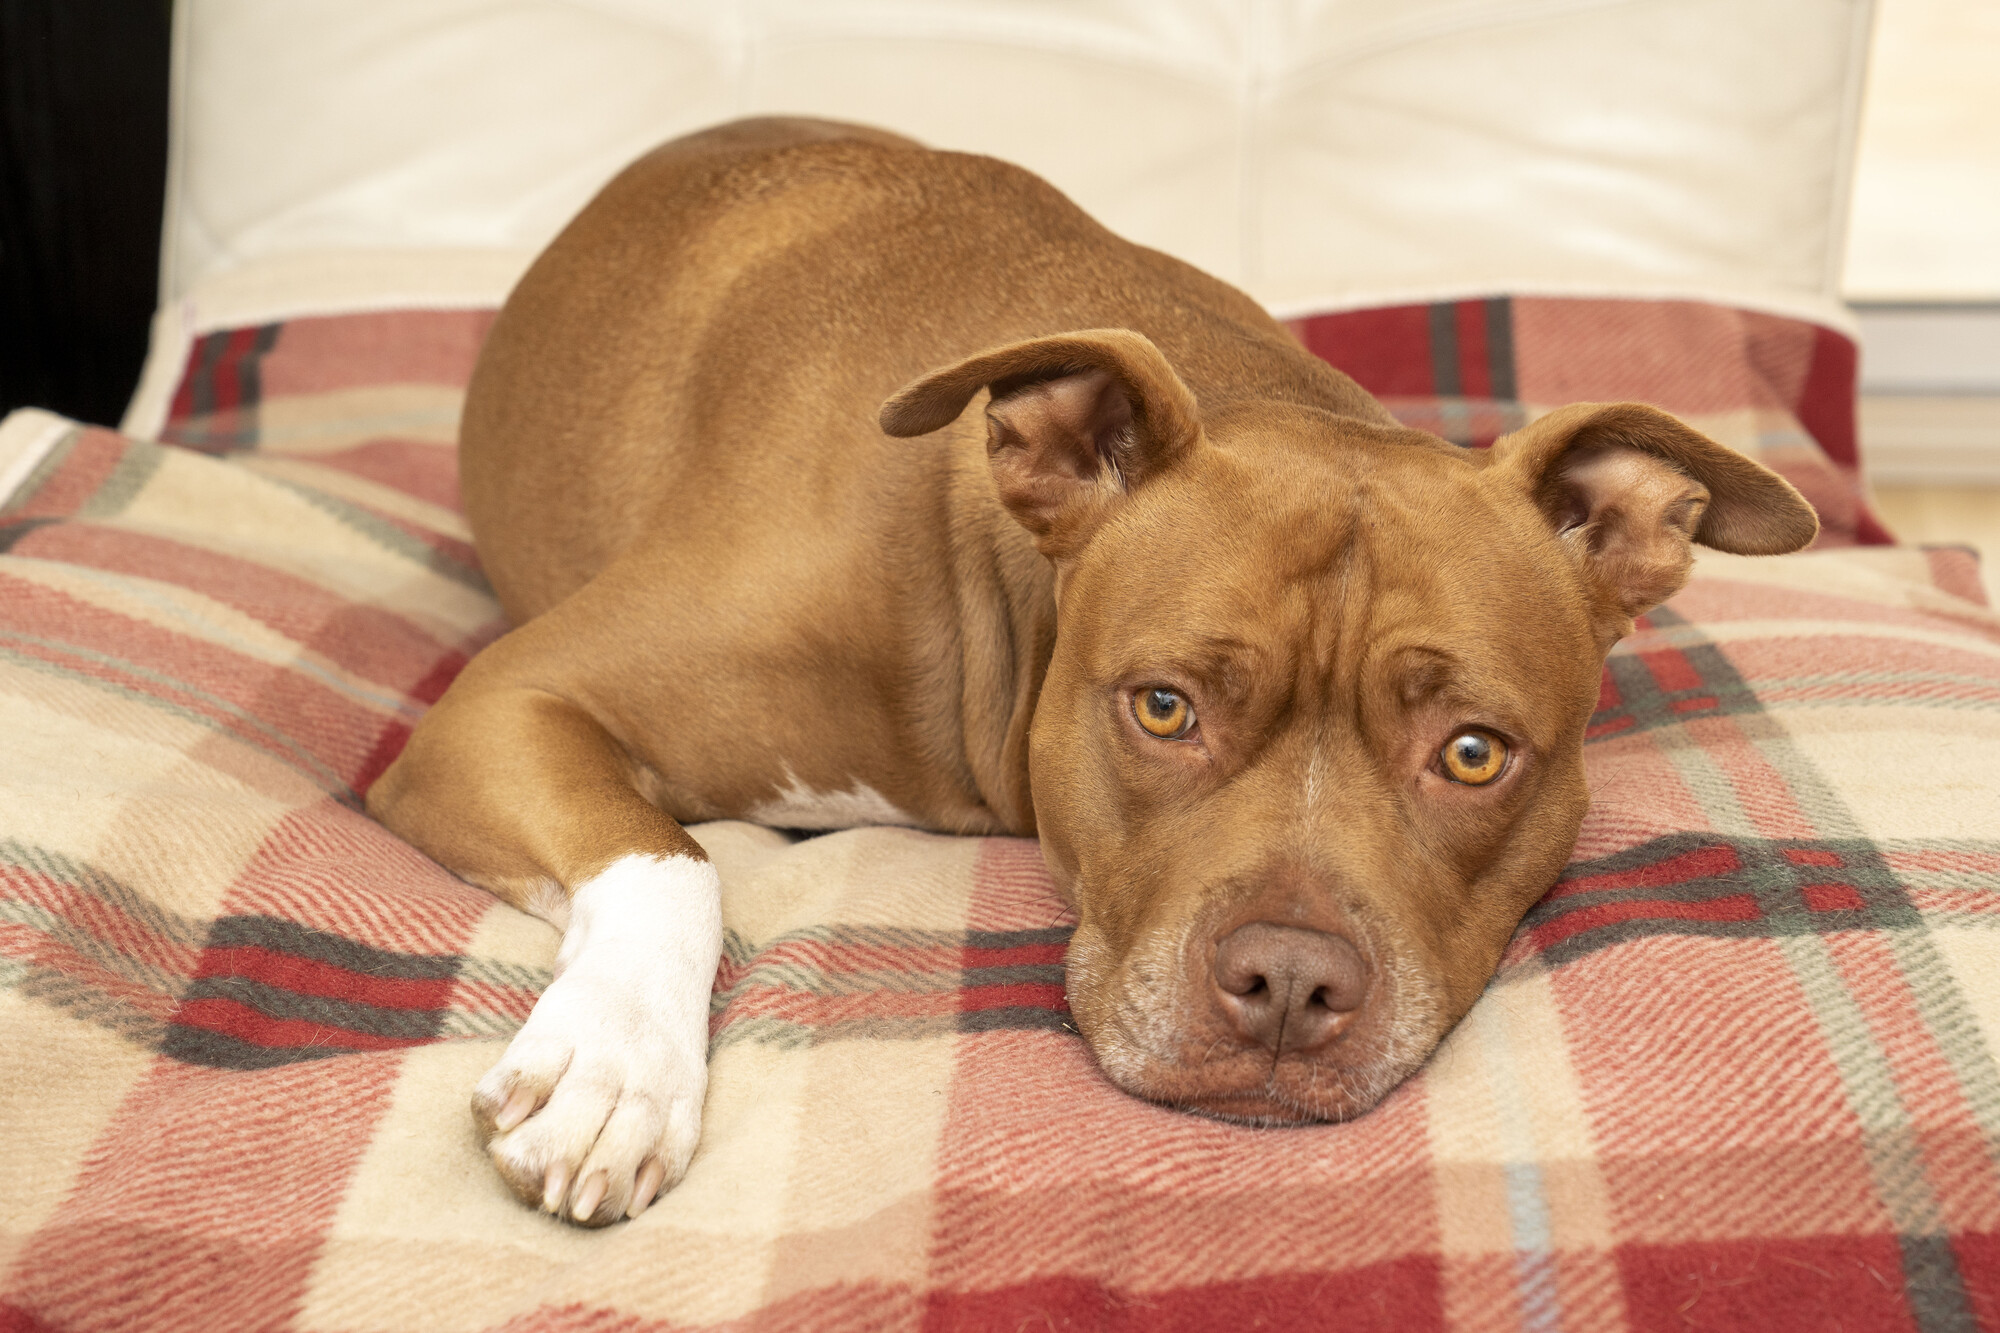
x=1320, y=153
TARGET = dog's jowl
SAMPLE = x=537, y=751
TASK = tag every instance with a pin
x=829, y=480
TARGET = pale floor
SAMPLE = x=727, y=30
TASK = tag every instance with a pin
x=1964, y=514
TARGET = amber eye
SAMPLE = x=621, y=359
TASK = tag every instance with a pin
x=1163, y=713
x=1474, y=757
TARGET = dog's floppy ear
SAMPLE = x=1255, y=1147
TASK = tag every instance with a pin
x=1627, y=488
x=1075, y=421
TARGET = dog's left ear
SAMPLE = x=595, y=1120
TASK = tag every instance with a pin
x=1627, y=488
x=1075, y=421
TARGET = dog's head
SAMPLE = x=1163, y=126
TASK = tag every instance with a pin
x=1311, y=741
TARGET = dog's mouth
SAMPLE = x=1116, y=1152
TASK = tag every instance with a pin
x=1293, y=1090
x=1250, y=1087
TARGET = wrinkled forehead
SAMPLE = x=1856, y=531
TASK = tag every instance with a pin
x=1337, y=550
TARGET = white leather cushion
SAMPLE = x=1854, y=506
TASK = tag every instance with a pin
x=1327, y=154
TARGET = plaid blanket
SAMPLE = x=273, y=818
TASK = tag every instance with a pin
x=1737, y=1070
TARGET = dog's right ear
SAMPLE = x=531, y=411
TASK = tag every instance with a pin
x=1075, y=421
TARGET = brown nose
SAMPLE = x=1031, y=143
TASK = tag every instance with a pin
x=1287, y=988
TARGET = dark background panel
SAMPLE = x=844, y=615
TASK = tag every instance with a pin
x=83, y=165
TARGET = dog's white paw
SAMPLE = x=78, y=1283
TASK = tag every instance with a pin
x=596, y=1106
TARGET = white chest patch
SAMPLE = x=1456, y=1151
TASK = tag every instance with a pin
x=799, y=806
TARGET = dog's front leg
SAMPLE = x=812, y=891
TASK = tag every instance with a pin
x=597, y=1103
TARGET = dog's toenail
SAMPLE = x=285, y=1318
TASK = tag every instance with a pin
x=651, y=1176
x=594, y=1186
x=518, y=1108
x=554, y=1186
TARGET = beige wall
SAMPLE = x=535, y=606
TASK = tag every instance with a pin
x=1926, y=220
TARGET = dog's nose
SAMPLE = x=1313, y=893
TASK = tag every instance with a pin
x=1287, y=988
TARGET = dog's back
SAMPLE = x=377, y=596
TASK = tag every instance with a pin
x=775, y=280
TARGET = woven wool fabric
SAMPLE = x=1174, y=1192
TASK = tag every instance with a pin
x=1737, y=1070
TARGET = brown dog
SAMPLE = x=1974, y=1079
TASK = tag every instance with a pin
x=1293, y=695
